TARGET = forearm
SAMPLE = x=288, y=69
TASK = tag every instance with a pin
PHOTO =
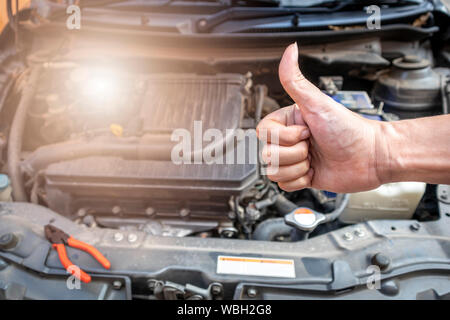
x=415, y=150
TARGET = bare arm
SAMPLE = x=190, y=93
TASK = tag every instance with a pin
x=416, y=150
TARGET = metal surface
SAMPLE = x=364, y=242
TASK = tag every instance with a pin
x=411, y=85
x=413, y=256
x=124, y=176
x=174, y=101
x=324, y=265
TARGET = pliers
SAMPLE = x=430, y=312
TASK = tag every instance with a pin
x=59, y=239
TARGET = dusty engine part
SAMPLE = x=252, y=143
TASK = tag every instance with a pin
x=100, y=184
x=411, y=85
x=389, y=201
x=116, y=176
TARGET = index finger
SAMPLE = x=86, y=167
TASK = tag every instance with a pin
x=287, y=116
x=271, y=131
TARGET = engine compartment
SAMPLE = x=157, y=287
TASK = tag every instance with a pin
x=98, y=140
x=99, y=136
x=100, y=146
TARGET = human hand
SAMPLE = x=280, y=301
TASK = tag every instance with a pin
x=321, y=143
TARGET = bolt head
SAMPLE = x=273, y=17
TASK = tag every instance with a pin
x=252, y=292
x=132, y=237
x=118, y=236
x=348, y=236
x=415, y=226
x=89, y=220
x=116, y=210
x=359, y=233
x=216, y=289
x=117, y=285
x=151, y=284
x=81, y=212
x=389, y=288
x=150, y=211
x=184, y=212
x=227, y=234
x=381, y=260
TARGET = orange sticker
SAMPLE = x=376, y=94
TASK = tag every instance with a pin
x=256, y=260
x=302, y=210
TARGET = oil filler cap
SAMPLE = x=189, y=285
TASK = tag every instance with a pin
x=304, y=219
x=411, y=62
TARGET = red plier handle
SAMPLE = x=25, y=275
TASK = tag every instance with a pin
x=60, y=239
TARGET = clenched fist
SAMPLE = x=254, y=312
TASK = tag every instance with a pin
x=321, y=143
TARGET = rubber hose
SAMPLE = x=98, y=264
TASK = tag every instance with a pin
x=333, y=215
x=16, y=136
x=156, y=147
x=283, y=205
x=259, y=103
x=269, y=229
x=46, y=155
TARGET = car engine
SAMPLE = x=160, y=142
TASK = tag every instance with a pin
x=127, y=178
x=113, y=131
x=99, y=143
x=100, y=146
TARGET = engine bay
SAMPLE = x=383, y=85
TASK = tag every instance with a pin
x=92, y=120
x=99, y=144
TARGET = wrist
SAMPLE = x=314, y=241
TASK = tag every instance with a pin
x=386, y=152
x=413, y=150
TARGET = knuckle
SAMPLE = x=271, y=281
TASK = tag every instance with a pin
x=306, y=165
x=265, y=153
x=273, y=173
x=270, y=155
x=285, y=187
x=303, y=150
x=306, y=181
x=293, y=135
x=302, y=169
x=299, y=184
x=262, y=131
x=274, y=178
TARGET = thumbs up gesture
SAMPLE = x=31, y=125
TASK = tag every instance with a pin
x=320, y=143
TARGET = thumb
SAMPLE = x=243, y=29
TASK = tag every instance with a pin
x=306, y=95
